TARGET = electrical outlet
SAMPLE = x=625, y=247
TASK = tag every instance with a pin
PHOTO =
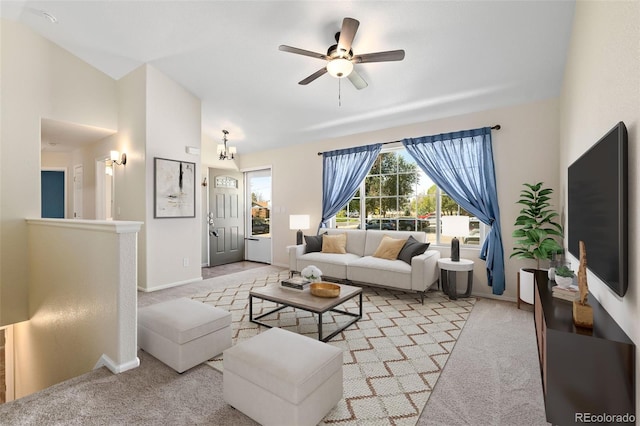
x=185, y=262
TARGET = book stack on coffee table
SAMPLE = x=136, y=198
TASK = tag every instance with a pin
x=570, y=293
x=295, y=283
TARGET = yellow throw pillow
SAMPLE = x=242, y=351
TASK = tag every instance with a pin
x=334, y=243
x=389, y=248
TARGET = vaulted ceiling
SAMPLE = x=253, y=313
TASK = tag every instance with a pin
x=461, y=56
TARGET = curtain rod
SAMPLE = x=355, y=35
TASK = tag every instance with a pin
x=496, y=127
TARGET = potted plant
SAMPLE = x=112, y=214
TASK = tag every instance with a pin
x=564, y=276
x=536, y=233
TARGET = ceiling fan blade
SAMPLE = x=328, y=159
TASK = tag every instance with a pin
x=357, y=80
x=391, y=55
x=313, y=76
x=290, y=49
x=347, y=34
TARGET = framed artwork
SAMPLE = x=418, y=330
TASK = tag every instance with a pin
x=174, y=188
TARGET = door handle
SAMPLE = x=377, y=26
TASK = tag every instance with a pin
x=252, y=239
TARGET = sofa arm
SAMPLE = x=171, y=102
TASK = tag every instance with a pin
x=424, y=270
x=294, y=253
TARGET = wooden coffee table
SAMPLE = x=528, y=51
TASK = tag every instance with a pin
x=303, y=299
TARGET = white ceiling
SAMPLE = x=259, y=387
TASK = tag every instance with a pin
x=461, y=56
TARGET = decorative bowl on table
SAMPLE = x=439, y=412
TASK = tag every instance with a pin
x=325, y=289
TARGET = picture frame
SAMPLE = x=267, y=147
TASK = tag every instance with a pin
x=174, y=188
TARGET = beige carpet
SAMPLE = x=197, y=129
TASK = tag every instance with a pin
x=393, y=356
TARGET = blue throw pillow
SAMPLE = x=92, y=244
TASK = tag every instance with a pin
x=412, y=248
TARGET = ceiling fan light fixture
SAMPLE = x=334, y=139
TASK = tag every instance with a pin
x=340, y=67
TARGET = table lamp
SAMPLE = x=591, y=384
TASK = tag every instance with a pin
x=455, y=226
x=299, y=222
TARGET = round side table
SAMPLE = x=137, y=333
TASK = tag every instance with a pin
x=448, y=266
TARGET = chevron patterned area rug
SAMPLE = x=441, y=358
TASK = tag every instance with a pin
x=393, y=356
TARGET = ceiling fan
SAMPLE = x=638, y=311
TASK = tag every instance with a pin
x=340, y=58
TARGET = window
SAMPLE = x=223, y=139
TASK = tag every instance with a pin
x=397, y=195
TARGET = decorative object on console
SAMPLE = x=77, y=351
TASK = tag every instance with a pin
x=455, y=226
x=582, y=311
x=535, y=232
x=570, y=293
x=225, y=153
x=299, y=222
x=312, y=273
x=564, y=276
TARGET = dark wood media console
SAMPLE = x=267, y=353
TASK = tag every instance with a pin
x=583, y=371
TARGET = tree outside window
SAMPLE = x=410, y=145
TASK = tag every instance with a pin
x=397, y=195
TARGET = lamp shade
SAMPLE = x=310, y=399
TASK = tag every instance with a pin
x=299, y=221
x=115, y=156
x=455, y=226
x=340, y=67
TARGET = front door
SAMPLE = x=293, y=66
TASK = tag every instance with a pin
x=226, y=209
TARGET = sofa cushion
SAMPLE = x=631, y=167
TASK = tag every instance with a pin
x=389, y=248
x=334, y=243
x=373, y=270
x=411, y=248
x=374, y=237
x=313, y=243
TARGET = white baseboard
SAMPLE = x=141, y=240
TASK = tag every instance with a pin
x=105, y=361
x=175, y=284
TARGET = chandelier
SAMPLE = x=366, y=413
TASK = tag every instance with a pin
x=225, y=153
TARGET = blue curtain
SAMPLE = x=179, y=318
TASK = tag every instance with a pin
x=342, y=173
x=461, y=164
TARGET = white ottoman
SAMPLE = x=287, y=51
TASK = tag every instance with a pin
x=183, y=333
x=282, y=378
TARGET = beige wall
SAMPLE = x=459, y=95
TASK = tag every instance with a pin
x=524, y=151
x=79, y=311
x=602, y=87
x=39, y=80
x=173, y=123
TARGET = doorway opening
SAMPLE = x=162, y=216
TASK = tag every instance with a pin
x=258, y=201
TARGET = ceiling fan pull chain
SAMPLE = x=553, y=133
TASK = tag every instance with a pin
x=339, y=93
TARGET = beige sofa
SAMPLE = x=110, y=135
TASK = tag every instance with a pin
x=359, y=266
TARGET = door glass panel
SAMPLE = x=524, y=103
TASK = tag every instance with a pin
x=259, y=189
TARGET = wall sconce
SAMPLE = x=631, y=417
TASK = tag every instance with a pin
x=225, y=153
x=115, y=155
x=299, y=222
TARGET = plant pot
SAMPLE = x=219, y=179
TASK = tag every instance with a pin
x=527, y=281
x=564, y=282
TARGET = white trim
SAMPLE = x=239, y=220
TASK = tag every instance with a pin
x=113, y=226
x=170, y=285
x=105, y=361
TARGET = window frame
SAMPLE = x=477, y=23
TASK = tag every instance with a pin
x=483, y=229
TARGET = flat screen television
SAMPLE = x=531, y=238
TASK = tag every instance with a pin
x=597, y=208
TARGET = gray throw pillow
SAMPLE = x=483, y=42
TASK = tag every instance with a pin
x=412, y=248
x=313, y=242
